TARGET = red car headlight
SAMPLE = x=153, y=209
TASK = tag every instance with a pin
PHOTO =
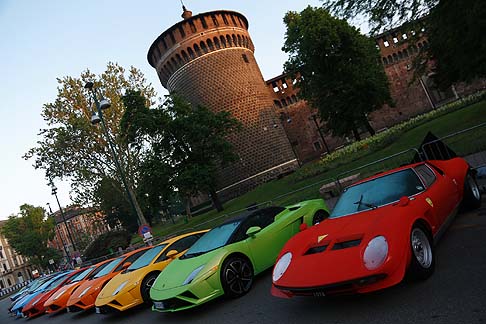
x=281, y=266
x=375, y=253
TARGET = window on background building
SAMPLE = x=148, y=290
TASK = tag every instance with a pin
x=385, y=43
x=395, y=40
x=245, y=58
x=275, y=87
x=404, y=36
x=317, y=146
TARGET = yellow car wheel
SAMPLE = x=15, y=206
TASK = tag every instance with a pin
x=147, y=283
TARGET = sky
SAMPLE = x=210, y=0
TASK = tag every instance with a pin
x=49, y=39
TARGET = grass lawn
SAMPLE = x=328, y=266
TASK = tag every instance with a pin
x=277, y=191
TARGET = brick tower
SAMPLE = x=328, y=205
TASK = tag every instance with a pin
x=208, y=59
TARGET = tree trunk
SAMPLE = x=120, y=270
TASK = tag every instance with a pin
x=368, y=126
x=188, y=207
x=356, y=134
x=215, y=199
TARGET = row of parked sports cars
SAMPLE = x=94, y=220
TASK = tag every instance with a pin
x=381, y=229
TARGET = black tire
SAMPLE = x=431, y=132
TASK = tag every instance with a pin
x=147, y=283
x=319, y=216
x=472, y=194
x=422, y=264
x=236, y=276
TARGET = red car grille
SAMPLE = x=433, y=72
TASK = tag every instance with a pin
x=334, y=289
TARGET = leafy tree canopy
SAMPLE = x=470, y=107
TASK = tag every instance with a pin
x=107, y=243
x=72, y=148
x=29, y=232
x=341, y=71
x=185, y=145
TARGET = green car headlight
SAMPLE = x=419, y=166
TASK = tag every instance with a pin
x=193, y=275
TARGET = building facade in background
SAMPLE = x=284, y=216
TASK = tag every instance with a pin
x=14, y=268
x=85, y=225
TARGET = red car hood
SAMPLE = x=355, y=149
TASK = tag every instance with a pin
x=332, y=251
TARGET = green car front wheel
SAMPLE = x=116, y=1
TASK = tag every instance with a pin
x=236, y=276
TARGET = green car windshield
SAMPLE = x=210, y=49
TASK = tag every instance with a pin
x=107, y=268
x=377, y=192
x=215, y=238
x=146, y=258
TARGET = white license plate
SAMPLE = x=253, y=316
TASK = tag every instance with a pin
x=98, y=310
x=159, y=305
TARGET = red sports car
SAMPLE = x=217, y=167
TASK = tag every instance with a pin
x=381, y=229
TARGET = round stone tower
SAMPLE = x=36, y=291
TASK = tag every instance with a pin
x=208, y=59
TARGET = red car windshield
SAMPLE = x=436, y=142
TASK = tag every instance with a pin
x=377, y=192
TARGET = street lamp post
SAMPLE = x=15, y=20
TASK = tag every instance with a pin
x=54, y=193
x=62, y=240
x=95, y=119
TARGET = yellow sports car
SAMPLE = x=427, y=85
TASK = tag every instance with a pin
x=131, y=287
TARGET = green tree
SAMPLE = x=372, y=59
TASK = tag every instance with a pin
x=29, y=232
x=341, y=72
x=187, y=145
x=72, y=148
x=455, y=30
x=457, y=40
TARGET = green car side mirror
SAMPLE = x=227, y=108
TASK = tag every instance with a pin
x=253, y=230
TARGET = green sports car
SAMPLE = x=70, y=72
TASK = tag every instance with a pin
x=225, y=259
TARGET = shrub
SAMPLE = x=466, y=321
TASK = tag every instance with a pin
x=107, y=243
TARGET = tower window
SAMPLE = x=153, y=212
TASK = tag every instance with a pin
x=181, y=30
x=386, y=44
x=245, y=58
x=193, y=28
x=215, y=21
x=172, y=38
x=203, y=22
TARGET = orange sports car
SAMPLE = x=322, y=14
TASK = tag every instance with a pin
x=84, y=297
x=58, y=301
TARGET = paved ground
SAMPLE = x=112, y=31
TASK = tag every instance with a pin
x=456, y=293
